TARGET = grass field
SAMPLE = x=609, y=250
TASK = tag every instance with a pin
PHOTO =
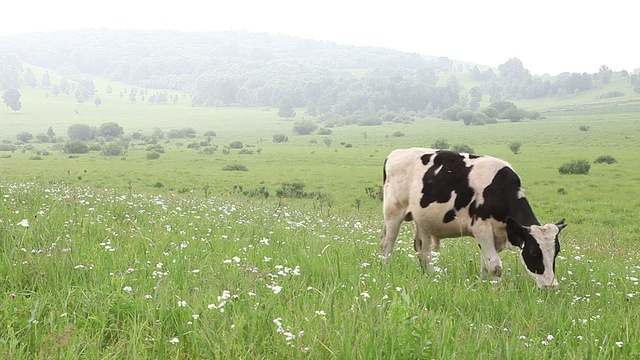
x=99, y=261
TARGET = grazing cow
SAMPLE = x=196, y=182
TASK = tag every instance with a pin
x=450, y=194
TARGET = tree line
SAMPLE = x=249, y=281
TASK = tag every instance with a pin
x=249, y=69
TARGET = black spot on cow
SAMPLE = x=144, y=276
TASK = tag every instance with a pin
x=448, y=174
x=449, y=216
x=532, y=255
x=501, y=199
x=425, y=158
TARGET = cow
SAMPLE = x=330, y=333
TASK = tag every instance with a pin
x=449, y=194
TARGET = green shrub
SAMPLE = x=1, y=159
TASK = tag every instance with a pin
x=153, y=155
x=583, y=128
x=75, y=147
x=514, y=146
x=324, y=131
x=575, y=167
x=280, y=138
x=605, y=159
x=442, y=144
x=463, y=148
x=235, y=167
x=8, y=147
x=236, y=145
x=398, y=134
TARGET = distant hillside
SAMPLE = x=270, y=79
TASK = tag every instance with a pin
x=249, y=69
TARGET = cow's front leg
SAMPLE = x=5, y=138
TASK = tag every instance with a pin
x=491, y=263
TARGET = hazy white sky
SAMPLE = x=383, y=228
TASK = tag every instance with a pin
x=548, y=36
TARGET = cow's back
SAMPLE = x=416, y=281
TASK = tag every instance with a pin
x=439, y=189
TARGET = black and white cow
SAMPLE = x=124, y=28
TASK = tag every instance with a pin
x=450, y=194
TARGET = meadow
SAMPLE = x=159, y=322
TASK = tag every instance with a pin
x=100, y=261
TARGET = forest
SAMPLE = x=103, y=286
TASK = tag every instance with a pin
x=252, y=69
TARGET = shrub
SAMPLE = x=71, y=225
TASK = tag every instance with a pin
x=583, y=128
x=153, y=155
x=113, y=149
x=292, y=190
x=611, y=94
x=398, y=134
x=280, y=138
x=325, y=131
x=606, y=159
x=441, y=144
x=304, y=127
x=157, y=148
x=245, y=152
x=514, y=146
x=575, y=167
x=463, y=148
x=236, y=145
x=235, y=167
x=75, y=147
x=24, y=136
x=210, y=133
x=8, y=147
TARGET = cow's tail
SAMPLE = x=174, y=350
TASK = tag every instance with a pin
x=384, y=171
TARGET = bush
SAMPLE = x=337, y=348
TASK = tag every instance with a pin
x=75, y=147
x=442, y=144
x=304, y=127
x=583, y=128
x=8, y=147
x=210, y=133
x=325, y=131
x=575, y=167
x=514, y=146
x=154, y=155
x=611, y=94
x=235, y=167
x=236, y=145
x=398, y=134
x=606, y=159
x=280, y=138
x=463, y=148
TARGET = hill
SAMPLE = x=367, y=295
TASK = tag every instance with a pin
x=249, y=70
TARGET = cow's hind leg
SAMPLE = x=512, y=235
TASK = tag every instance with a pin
x=424, y=252
x=390, y=230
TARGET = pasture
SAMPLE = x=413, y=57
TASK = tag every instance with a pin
x=126, y=257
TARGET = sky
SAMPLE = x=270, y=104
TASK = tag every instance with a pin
x=547, y=36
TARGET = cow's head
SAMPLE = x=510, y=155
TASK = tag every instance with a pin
x=539, y=248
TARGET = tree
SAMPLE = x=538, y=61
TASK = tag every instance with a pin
x=81, y=132
x=110, y=130
x=11, y=98
x=24, y=136
x=46, y=80
x=286, y=108
x=304, y=127
x=97, y=102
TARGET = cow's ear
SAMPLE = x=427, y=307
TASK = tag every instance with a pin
x=561, y=225
x=516, y=233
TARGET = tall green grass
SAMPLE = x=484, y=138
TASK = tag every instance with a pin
x=100, y=273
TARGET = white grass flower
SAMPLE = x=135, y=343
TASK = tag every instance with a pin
x=182, y=303
x=127, y=289
x=619, y=344
x=24, y=223
x=175, y=340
